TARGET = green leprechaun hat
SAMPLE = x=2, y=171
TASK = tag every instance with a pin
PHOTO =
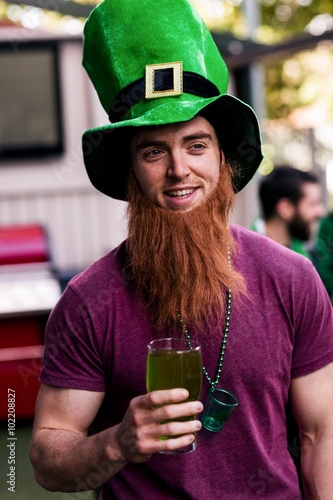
x=154, y=63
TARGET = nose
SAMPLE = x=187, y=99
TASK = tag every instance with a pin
x=177, y=166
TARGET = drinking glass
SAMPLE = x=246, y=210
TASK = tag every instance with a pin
x=175, y=363
x=220, y=405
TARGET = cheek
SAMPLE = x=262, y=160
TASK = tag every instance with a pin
x=305, y=211
x=215, y=176
x=148, y=181
x=214, y=182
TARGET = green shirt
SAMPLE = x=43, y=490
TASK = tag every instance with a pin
x=324, y=252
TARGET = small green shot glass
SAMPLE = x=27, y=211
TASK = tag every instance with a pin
x=220, y=405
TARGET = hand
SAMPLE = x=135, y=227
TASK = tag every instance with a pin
x=139, y=433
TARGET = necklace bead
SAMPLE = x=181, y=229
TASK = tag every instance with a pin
x=224, y=337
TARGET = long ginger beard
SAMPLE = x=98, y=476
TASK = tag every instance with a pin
x=179, y=260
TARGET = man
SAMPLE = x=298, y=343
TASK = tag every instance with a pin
x=178, y=150
x=291, y=204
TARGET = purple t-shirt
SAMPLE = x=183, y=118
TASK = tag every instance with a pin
x=96, y=340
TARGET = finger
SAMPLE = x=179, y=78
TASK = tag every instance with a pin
x=175, y=443
x=175, y=411
x=165, y=397
x=176, y=428
x=148, y=447
x=151, y=439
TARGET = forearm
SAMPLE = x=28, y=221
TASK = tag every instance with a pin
x=71, y=462
x=65, y=459
x=317, y=468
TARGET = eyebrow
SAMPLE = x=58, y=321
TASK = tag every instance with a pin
x=146, y=143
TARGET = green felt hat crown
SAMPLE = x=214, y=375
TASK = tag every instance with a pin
x=154, y=63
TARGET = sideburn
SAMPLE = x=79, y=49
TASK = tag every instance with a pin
x=179, y=260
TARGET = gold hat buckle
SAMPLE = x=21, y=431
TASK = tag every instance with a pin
x=177, y=69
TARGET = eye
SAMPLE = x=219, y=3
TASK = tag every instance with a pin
x=154, y=152
x=197, y=147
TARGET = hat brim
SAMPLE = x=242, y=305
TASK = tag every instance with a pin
x=106, y=149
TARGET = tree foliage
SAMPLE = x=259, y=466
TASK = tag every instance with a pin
x=292, y=17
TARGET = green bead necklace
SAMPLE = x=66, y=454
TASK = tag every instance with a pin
x=187, y=336
x=213, y=418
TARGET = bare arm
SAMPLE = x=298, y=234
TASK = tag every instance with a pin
x=65, y=458
x=312, y=403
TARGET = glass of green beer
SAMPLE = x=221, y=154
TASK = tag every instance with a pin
x=175, y=363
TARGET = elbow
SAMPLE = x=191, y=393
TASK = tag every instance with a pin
x=46, y=485
x=42, y=477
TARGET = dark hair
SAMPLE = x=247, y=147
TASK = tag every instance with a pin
x=283, y=182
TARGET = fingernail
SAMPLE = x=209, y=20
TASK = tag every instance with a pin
x=199, y=407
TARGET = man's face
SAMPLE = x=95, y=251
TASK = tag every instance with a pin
x=177, y=166
x=309, y=209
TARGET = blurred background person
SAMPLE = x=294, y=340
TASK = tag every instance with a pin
x=324, y=252
x=291, y=206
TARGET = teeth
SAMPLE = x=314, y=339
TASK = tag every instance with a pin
x=182, y=192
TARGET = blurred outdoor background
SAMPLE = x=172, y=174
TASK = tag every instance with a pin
x=53, y=223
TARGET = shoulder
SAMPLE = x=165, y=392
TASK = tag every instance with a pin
x=259, y=250
x=283, y=281
x=273, y=267
x=107, y=272
x=88, y=302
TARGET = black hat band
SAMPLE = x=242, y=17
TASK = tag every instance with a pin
x=133, y=93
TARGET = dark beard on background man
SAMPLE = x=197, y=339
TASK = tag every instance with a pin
x=299, y=229
x=179, y=260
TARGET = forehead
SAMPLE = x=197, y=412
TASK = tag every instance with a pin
x=180, y=130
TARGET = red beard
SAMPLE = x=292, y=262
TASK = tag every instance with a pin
x=179, y=260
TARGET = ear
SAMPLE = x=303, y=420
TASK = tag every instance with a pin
x=222, y=158
x=285, y=209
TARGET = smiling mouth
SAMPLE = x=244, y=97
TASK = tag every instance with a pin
x=179, y=193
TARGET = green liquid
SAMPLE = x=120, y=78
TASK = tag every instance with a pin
x=216, y=422
x=169, y=368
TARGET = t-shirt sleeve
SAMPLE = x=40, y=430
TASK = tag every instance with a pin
x=313, y=347
x=72, y=357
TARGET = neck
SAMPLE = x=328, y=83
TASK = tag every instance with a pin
x=277, y=230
